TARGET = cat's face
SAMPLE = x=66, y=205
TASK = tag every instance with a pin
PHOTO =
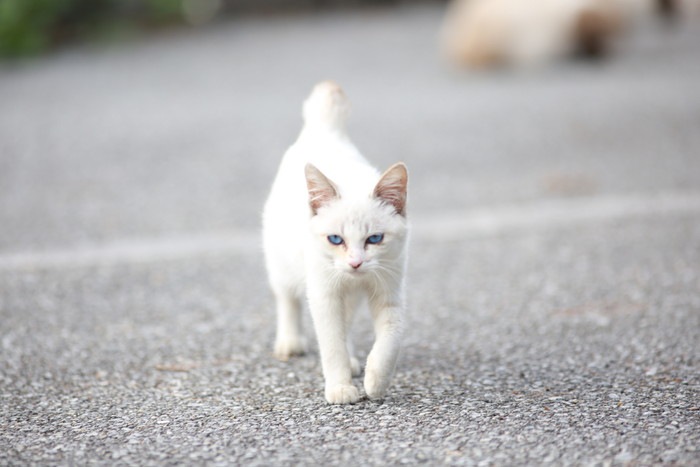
x=359, y=237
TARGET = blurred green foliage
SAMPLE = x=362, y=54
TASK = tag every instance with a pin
x=30, y=27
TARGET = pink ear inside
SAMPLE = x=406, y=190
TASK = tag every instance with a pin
x=321, y=189
x=392, y=187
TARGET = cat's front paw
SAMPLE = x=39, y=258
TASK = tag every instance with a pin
x=288, y=348
x=375, y=384
x=342, y=394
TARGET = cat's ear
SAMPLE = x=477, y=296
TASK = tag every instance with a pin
x=321, y=189
x=392, y=187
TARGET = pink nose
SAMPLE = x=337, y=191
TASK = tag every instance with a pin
x=356, y=263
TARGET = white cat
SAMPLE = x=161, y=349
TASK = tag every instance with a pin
x=336, y=231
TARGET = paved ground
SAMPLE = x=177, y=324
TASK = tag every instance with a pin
x=554, y=277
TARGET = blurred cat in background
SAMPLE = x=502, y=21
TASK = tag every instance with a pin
x=489, y=33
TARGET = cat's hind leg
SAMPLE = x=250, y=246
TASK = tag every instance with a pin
x=352, y=303
x=290, y=340
x=355, y=367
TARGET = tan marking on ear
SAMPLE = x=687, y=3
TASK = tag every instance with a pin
x=321, y=189
x=392, y=187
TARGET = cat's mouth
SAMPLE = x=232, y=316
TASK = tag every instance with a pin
x=355, y=272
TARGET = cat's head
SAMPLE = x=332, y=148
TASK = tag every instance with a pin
x=358, y=235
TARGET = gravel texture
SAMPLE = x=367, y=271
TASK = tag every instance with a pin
x=558, y=341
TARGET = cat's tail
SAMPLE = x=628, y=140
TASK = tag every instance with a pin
x=326, y=106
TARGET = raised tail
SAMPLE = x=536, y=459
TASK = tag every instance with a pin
x=326, y=106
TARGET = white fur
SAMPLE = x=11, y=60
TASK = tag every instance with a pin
x=301, y=261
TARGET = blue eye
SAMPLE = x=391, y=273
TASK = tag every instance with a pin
x=374, y=239
x=335, y=239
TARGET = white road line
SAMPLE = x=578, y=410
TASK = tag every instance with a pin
x=134, y=251
x=551, y=214
x=445, y=226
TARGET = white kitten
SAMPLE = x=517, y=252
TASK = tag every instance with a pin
x=336, y=231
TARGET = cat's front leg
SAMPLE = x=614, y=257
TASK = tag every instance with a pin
x=381, y=362
x=329, y=319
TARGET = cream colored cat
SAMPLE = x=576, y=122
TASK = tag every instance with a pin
x=486, y=33
x=335, y=232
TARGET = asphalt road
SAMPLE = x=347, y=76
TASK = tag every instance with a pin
x=554, y=297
